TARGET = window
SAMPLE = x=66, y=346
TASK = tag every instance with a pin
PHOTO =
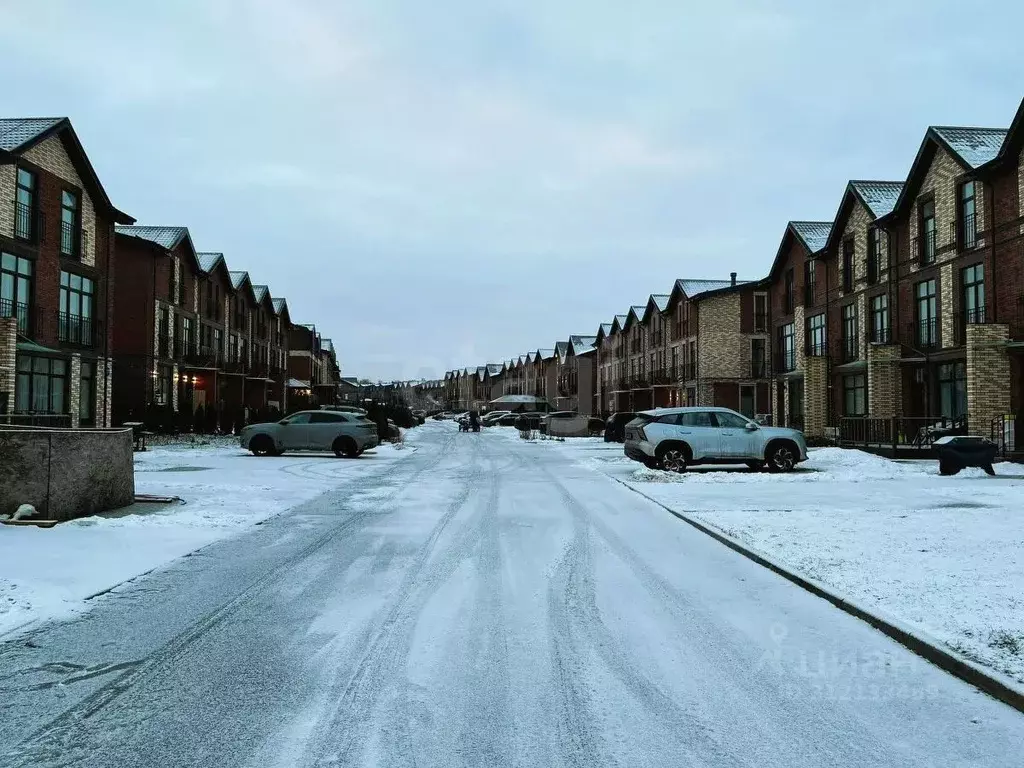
x=69, y=223
x=299, y=418
x=163, y=333
x=232, y=348
x=952, y=390
x=326, y=417
x=968, y=226
x=16, y=289
x=87, y=394
x=748, y=400
x=926, y=248
x=854, y=395
x=41, y=385
x=816, y=335
x=758, y=359
x=974, y=293
x=760, y=312
x=848, y=254
x=877, y=260
x=75, y=318
x=728, y=420
x=696, y=419
x=217, y=344
x=25, y=205
x=850, y=345
x=186, y=335
x=927, y=320
x=787, y=299
x=880, y=319
x=809, y=275
x=787, y=351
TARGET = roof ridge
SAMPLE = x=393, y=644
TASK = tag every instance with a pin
x=966, y=128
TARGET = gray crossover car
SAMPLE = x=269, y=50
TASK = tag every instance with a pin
x=675, y=438
x=347, y=434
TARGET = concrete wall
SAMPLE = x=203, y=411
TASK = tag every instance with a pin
x=65, y=473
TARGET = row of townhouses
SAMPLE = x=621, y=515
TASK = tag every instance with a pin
x=908, y=303
x=103, y=320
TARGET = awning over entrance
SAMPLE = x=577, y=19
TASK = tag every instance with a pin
x=296, y=384
x=31, y=348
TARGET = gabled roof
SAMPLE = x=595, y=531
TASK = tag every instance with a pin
x=618, y=323
x=635, y=315
x=877, y=197
x=481, y=372
x=970, y=148
x=580, y=345
x=692, y=288
x=493, y=369
x=260, y=292
x=280, y=305
x=545, y=354
x=208, y=261
x=166, y=237
x=238, y=278
x=561, y=348
x=974, y=146
x=1011, y=147
x=657, y=302
x=812, y=236
x=603, y=331
x=20, y=134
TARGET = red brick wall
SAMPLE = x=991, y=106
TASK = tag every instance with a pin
x=134, y=306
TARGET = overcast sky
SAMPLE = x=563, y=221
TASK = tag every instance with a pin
x=445, y=184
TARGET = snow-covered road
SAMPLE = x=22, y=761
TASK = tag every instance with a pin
x=486, y=602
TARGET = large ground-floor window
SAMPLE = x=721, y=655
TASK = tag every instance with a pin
x=855, y=393
x=952, y=389
x=748, y=400
x=795, y=416
x=41, y=385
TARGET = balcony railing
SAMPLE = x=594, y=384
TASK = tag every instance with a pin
x=662, y=376
x=17, y=310
x=183, y=348
x=907, y=432
x=69, y=240
x=974, y=315
x=52, y=420
x=816, y=349
x=849, y=348
x=879, y=335
x=966, y=235
x=924, y=334
x=76, y=330
x=785, y=361
x=204, y=356
x=924, y=248
x=24, y=224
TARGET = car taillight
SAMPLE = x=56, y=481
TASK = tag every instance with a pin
x=640, y=433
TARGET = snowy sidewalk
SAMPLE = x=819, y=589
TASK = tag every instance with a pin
x=48, y=574
x=944, y=555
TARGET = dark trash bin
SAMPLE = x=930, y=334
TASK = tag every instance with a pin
x=957, y=452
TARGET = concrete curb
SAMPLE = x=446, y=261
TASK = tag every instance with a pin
x=930, y=650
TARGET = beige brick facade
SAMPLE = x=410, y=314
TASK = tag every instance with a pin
x=988, y=375
x=722, y=348
x=799, y=337
x=884, y=380
x=815, y=396
x=8, y=178
x=75, y=389
x=51, y=156
x=857, y=225
x=946, y=303
x=863, y=320
x=8, y=351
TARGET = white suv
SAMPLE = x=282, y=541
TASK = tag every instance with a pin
x=675, y=438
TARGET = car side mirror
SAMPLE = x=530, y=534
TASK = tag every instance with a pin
x=752, y=426
x=284, y=423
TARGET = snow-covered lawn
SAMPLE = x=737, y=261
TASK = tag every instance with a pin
x=944, y=555
x=48, y=573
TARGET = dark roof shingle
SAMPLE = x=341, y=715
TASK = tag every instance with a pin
x=15, y=132
x=165, y=237
x=879, y=196
x=975, y=146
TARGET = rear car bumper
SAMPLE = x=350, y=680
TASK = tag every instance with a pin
x=638, y=450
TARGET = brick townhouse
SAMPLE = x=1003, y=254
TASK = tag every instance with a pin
x=555, y=376
x=576, y=378
x=330, y=373
x=304, y=366
x=796, y=291
x=156, y=300
x=615, y=349
x=543, y=367
x=660, y=378
x=730, y=334
x=277, y=395
x=604, y=380
x=849, y=325
x=57, y=273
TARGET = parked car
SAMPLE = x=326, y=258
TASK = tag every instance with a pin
x=508, y=420
x=491, y=418
x=347, y=434
x=394, y=433
x=615, y=427
x=676, y=438
x=545, y=417
x=343, y=409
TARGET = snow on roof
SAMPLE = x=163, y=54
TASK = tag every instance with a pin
x=561, y=347
x=695, y=287
x=165, y=237
x=237, y=278
x=879, y=196
x=261, y=291
x=975, y=146
x=813, y=233
x=279, y=305
x=493, y=368
x=18, y=131
x=297, y=384
x=546, y=354
x=208, y=260
x=660, y=301
x=582, y=344
x=606, y=328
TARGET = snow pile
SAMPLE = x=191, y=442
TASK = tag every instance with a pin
x=49, y=573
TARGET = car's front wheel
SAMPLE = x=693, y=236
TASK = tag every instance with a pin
x=781, y=458
x=673, y=459
x=345, y=446
x=262, y=445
